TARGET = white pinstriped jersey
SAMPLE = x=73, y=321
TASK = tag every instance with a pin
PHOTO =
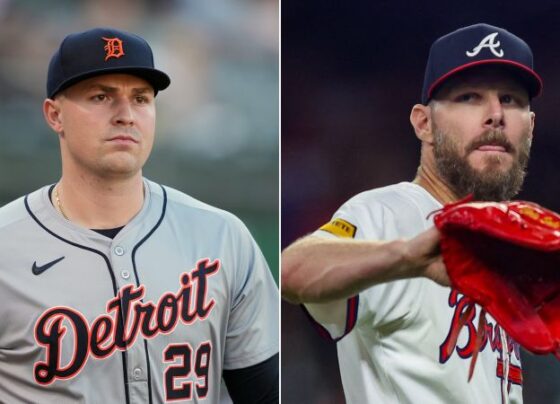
x=153, y=315
x=393, y=342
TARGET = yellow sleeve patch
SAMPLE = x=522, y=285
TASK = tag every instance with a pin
x=340, y=228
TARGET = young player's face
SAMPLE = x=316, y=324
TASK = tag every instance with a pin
x=107, y=125
x=483, y=129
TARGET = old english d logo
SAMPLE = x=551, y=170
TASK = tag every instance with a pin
x=113, y=48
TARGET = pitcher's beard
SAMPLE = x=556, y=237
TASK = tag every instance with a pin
x=491, y=183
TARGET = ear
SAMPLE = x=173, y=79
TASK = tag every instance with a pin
x=532, y=124
x=52, y=114
x=421, y=120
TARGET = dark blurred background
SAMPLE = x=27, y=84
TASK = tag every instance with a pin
x=351, y=72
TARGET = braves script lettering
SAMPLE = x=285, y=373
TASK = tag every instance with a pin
x=117, y=329
x=491, y=336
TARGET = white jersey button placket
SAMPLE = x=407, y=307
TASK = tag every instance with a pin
x=136, y=355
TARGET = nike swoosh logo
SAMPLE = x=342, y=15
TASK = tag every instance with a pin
x=38, y=270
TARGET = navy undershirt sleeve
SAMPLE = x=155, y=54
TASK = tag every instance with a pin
x=254, y=384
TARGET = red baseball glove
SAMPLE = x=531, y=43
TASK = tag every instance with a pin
x=506, y=257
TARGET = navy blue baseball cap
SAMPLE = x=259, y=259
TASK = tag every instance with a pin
x=477, y=45
x=102, y=51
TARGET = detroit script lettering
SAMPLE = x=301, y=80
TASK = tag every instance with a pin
x=117, y=329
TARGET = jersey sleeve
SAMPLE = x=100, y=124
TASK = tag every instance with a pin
x=379, y=306
x=252, y=329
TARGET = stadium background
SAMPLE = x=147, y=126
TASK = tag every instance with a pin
x=350, y=75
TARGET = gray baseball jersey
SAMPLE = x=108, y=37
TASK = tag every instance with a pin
x=153, y=315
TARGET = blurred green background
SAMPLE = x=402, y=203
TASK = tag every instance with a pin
x=217, y=124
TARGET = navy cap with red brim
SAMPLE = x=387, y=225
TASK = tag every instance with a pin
x=479, y=45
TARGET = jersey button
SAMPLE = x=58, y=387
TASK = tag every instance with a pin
x=119, y=250
x=125, y=274
x=137, y=373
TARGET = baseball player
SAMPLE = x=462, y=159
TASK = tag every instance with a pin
x=116, y=289
x=373, y=279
